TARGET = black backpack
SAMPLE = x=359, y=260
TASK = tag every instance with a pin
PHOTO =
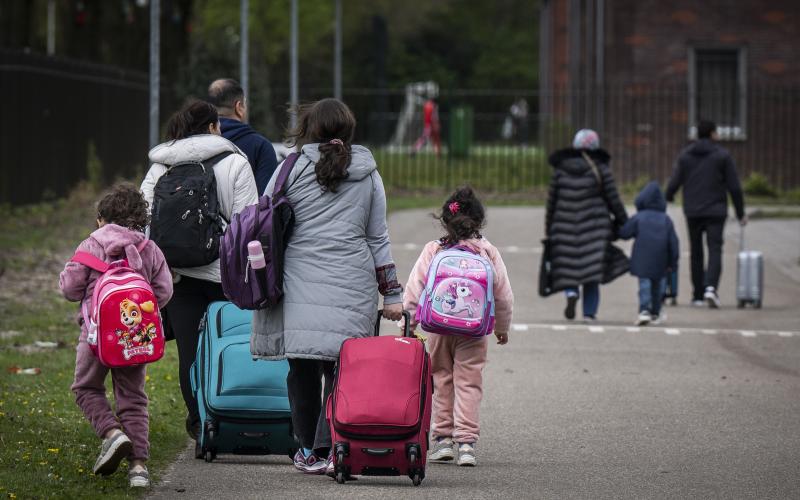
x=185, y=220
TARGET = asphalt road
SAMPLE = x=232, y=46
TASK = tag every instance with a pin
x=706, y=406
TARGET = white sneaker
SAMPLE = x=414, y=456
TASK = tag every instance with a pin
x=644, y=318
x=698, y=303
x=442, y=450
x=711, y=298
x=660, y=319
x=466, y=455
x=139, y=477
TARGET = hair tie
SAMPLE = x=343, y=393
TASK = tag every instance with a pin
x=454, y=207
x=336, y=141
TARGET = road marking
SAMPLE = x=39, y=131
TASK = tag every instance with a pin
x=410, y=246
x=577, y=326
x=512, y=249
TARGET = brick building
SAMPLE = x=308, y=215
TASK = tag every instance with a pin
x=642, y=72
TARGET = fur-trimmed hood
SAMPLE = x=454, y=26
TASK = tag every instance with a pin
x=571, y=159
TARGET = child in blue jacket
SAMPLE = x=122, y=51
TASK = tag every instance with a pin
x=655, y=250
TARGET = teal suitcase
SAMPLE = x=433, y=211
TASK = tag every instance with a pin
x=243, y=403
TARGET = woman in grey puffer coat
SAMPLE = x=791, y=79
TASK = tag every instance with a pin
x=337, y=261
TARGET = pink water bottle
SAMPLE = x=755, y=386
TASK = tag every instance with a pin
x=255, y=254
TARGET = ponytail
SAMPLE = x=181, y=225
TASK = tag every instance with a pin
x=330, y=123
x=192, y=119
x=331, y=169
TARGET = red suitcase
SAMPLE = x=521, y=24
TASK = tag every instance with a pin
x=380, y=407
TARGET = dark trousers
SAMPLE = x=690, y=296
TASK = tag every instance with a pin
x=190, y=299
x=307, y=398
x=703, y=277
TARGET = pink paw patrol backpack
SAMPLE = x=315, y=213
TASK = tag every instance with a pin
x=123, y=322
x=458, y=298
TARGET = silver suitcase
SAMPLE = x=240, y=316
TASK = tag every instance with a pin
x=749, y=276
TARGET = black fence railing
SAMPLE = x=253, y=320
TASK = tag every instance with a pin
x=57, y=113
x=64, y=121
x=643, y=127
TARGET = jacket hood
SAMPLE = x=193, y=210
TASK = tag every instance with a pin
x=120, y=242
x=233, y=130
x=362, y=163
x=702, y=147
x=195, y=148
x=651, y=198
x=571, y=160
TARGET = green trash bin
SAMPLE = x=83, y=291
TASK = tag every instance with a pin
x=460, y=131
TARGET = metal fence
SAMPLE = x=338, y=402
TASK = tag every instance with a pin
x=644, y=127
x=56, y=111
x=64, y=121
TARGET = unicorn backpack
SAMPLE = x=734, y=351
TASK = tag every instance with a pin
x=123, y=320
x=458, y=298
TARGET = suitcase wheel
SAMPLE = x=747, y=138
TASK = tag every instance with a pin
x=198, y=451
x=416, y=479
x=340, y=477
x=210, y=455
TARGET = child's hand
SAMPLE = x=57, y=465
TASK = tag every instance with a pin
x=502, y=337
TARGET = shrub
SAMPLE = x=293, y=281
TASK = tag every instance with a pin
x=758, y=185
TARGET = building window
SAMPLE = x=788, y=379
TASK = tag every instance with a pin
x=718, y=90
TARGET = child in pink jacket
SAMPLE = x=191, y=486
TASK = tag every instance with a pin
x=457, y=362
x=121, y=218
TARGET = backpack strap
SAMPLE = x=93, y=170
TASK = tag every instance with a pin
x=90, y=261
x=207, y=164
x=286, y=169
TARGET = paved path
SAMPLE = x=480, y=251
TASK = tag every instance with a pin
x=706, y=406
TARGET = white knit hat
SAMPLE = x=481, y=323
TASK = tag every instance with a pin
x=586, y=139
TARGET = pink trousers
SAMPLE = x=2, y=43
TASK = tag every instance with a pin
x=457, y=364
x=131, y=401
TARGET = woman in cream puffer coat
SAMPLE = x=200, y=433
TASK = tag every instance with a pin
x=195, y=136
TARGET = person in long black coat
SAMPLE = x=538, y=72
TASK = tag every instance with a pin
x=584, y=214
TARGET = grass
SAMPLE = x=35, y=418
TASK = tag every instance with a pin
x=504, y=170
x=47, y=448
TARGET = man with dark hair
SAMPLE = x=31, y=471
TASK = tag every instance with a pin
x=227, y=95
x=707, y=174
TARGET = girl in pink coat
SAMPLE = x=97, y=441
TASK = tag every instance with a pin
x=457, y=362
x=121, y=218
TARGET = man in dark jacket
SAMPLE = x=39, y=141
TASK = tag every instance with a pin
x=655, y=250
x=227, y=95
x=707, y=174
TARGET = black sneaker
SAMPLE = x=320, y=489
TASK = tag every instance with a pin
x=569, y=312
x=193, y=427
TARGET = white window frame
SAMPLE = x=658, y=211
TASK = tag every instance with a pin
x=725, y=131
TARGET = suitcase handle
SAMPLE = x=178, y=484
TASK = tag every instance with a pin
x=741, y=238
x=406, y=324
x=378, y=452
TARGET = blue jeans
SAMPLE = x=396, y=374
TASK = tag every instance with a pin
x=591, y=298
x=651, y=293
